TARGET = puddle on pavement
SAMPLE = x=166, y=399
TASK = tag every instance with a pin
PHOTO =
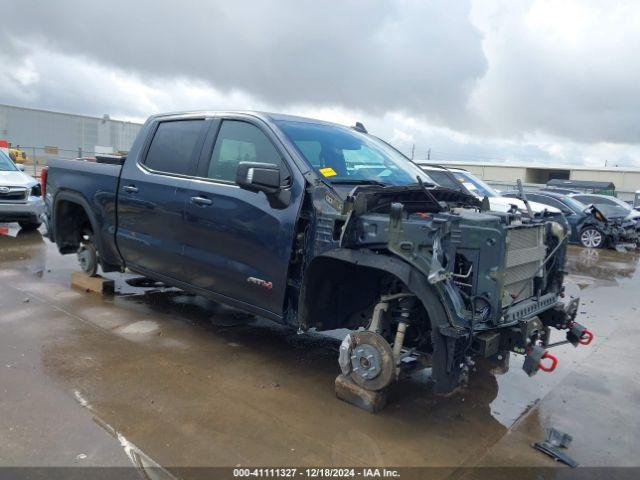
x=607, y=279
x=235, y=381
x=143, y=327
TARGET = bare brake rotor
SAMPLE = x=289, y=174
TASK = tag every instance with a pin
x=368, y=359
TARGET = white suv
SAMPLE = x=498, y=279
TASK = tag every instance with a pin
x=457, y=178
x=20, y=195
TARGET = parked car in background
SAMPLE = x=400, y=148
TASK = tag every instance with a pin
x=466, y=182
x=590, y=227
x=612, y=207
x=604, y=202
x=20, y=195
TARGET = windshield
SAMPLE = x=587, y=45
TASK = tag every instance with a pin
x=475, y=185
x=573, y=204
x=343, y=155
x=6, y=165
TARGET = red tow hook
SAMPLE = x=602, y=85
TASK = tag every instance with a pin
x=586, y=338
x=535, y=354
x=550, y=368
x=579, y=334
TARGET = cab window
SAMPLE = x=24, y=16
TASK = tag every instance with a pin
x=237, y=142
x=174, y=147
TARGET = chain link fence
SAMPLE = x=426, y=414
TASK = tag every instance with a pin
x=34, y=158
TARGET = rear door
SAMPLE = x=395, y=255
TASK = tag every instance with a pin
x=238, y=246
x=152, y=197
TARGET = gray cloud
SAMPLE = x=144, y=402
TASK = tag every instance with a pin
x=569, y=69
x=376, y=56
x=480, y=79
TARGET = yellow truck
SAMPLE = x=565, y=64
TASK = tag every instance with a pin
x=17, y=155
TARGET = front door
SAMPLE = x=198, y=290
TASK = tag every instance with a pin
x=237, y=245
x=152, y=197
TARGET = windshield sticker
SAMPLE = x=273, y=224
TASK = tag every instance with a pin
x=328, y=172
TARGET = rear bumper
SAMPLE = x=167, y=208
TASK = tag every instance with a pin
x=30, y=211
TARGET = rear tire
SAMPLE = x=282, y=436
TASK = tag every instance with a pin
x=29, y=225
x=591, y=237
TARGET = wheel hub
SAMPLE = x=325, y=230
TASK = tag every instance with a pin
x=367, y=358
x=365, y=361
x=88, y=258
x=84, y=257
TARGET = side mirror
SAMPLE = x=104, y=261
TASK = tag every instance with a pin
x=263, y=177
x=258, y=177
x=20, y=167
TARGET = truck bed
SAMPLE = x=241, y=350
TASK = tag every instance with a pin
x=95, y=186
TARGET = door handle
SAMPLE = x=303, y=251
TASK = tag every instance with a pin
x=130, y=189
x=203, y=201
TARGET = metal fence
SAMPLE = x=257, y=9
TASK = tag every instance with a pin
x=623, y=194
x=37, y=157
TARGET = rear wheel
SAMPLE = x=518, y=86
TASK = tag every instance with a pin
x=591, y=237
x=88, y=256
x=25, y=225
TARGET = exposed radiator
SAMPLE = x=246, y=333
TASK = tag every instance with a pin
x=525, y=253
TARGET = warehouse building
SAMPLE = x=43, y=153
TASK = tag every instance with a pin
x=505, y=176
x=44, y=134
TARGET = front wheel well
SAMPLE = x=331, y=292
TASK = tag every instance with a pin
x=340, y=294
x=334, y=288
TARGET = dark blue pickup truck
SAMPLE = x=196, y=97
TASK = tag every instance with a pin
x=321, y=226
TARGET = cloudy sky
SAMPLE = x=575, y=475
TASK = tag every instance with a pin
x=479, y=80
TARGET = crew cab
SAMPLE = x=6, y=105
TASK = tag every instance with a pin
x=321, y=226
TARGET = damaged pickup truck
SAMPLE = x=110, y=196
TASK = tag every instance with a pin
x=321, y=226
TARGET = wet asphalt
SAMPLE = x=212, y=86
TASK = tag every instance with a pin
x=156, y=376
